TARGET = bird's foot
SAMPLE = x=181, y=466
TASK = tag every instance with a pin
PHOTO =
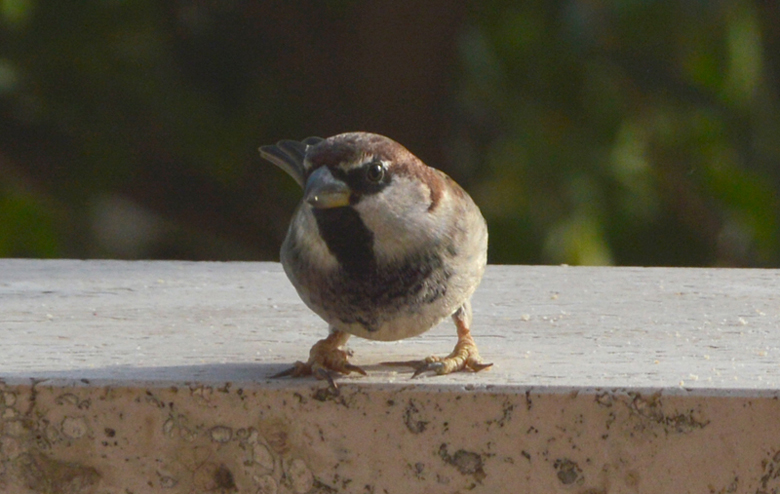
x=465, y=357
x=325, y=357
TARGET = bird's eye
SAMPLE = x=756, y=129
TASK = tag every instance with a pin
x=375, y=172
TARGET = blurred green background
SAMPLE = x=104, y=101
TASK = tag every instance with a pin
x=628, y=132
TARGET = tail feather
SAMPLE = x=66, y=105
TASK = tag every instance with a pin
x=289, y=155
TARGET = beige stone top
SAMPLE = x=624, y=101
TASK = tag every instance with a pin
x=120, y=377
x=559, y=326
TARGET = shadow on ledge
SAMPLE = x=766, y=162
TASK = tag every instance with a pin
x=212, y=373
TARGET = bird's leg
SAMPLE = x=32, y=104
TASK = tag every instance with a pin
x=465, y=356
x=325, y=356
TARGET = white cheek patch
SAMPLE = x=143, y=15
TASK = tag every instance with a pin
x=399, y=219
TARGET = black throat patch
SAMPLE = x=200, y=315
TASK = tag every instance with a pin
x=364, y=291
x=347, y=238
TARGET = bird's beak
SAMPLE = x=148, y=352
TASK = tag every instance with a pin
x=324, y=191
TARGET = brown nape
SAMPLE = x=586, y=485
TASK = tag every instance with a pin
x=431, y=177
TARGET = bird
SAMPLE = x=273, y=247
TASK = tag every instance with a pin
x=381, y=247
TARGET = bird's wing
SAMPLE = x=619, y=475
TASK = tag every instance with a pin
x=288, y=155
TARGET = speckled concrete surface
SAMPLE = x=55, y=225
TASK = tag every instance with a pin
x=299, y=438
x=152, y=377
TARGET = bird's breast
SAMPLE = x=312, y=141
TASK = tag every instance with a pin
x=365, y=297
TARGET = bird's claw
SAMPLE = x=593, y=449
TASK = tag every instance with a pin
x=325, y=358
x=298, y=369
x=465, y=357
x=426, y=366
x=304, y=369
x=448, y=365
x=440, y=366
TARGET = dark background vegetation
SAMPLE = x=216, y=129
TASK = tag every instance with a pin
x=590, y=132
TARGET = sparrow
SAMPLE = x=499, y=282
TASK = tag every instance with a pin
x=382, y=247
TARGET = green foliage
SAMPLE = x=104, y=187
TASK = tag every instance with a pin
x=27, y=226
x=624, y=132
x=590, y=132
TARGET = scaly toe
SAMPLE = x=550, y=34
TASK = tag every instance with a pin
x=465, y=357
x=426, y=366
x=335, y=361
x=325, y=358
x=454, y=362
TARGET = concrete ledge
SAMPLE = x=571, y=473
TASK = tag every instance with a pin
x=133, y=377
